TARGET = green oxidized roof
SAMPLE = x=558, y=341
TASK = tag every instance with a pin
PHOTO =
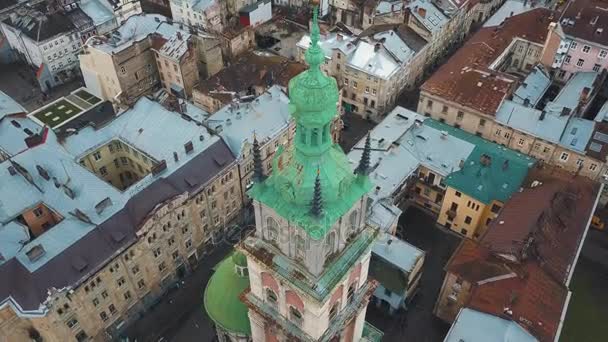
x=496, y=181
x=222, y=301
x=289, y=190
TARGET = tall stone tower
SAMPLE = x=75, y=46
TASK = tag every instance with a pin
x=308, y=259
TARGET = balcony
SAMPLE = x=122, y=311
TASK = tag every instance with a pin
x=451, y=214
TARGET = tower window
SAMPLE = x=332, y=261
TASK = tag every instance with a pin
x=272, y=229
x=295, y=316
x=271, y=296
x=300, y=247
x=314, y=137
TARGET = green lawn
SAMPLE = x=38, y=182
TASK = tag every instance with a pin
x=586, y=320
x=57, y=113
x=90, y=98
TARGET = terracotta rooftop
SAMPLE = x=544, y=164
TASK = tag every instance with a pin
x=532, y=299
x=248, y=71
x=546, y=222
x=528, y=281
x=583, y=18
x=467, y=79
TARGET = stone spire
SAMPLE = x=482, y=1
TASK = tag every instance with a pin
x=316, y=205
x=363, y=167
x=258, y=170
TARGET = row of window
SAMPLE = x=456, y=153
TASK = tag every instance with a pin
x=587, y=49
x=581, y=62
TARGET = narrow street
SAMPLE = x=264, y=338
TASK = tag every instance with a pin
x=418, y=323
x=180, y=315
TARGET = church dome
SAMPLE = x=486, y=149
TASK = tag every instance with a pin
x=222, y=296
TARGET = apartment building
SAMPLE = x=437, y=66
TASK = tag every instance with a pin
x=236, y=40
x=207, y=15
x=123, y=213
x=410, y=156
x=265, y=119
x=521, y=268
x=177, y=63
x=466, y=94
x=124, y=67
x=575, y=42
x=557, y=132
x=48, y=40
x=249, y=76
x=488, y=177
x=397, y=266
x=372, y=68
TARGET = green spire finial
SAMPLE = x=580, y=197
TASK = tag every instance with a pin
x=314, y=56
x=316, y=205
x=258, y=170
x=363, y=167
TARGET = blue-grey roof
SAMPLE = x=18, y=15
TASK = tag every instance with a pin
x=570, y=94
x=533, y=87
x=474, y=326
x=511, y=8
x=9, y=106
x=577, y=134
x=385, y=7
x=12, y=138
x=400, y=144
x=99, y=13
x=528, y=120
x=397, y=253
x=266, y=116
x=148, y=127
x=433, y=19
x=13, y=236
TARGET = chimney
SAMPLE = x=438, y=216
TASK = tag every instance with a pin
x=377, y=47
x=377, y=190
x=422, y=12
x=42, y=172
x=340, y=37
x=175, y=157
x=179, y=35
x=542, y=116
x=527, y=102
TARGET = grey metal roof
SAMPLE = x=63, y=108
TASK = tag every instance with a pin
x=78, y=248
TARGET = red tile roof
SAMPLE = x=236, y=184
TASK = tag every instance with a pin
x=542, y=229
x=547, y=222
x=533, y=300
x=583, y=13
x=467, y=79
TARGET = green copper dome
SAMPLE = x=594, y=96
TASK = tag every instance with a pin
x=289, y=189
x=222, y=301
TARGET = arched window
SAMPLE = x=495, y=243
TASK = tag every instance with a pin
x=272, y=229
x=351, y=292
x=300, y=247
x=271, y=296
x=330, y=242
x=325, y=133
x=295, y=316
x=334, y=310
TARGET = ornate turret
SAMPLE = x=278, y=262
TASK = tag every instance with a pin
x=314, y=161
x=363, y=167
x=258, y=169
